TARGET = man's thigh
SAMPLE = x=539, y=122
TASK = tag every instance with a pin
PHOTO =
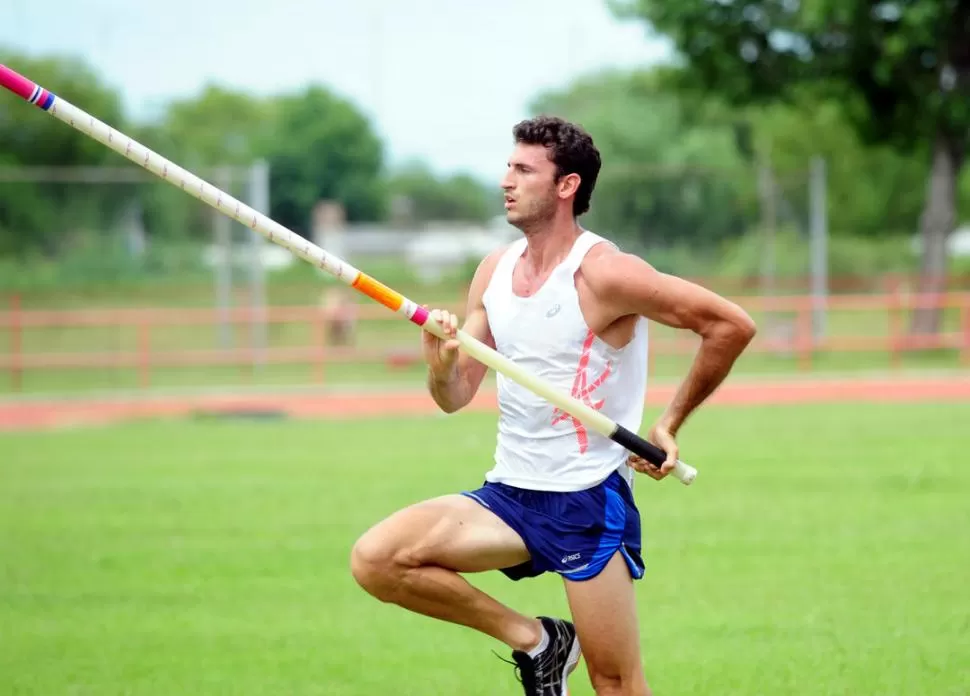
x=450, y=531
x=605, y=614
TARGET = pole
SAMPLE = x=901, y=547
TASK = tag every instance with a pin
x=222, y=229
x=259, y=200
x=16, y=343
x=769, y=222
x=819, y=245
x=353, y=277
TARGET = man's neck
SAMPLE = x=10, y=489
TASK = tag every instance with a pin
x=547, y=247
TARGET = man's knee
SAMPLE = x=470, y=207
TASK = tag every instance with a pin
x=378, y=563
x=452, y=532
x=382, y=560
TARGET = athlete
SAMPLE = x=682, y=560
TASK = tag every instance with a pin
x=572, y=308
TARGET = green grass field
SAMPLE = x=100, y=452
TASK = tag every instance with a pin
x=823, y=550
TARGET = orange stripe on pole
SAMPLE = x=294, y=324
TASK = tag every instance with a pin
x=378, y=291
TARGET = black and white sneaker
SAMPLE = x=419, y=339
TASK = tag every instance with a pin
x=546, y=673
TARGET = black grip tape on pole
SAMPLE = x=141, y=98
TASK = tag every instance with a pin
x=636, y=444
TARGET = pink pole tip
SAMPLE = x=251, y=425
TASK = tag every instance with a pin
x=420, y=316
x=16, y=83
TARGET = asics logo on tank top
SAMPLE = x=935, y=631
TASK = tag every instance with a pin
x=583, y=390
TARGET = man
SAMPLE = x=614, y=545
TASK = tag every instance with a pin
x=569, y=306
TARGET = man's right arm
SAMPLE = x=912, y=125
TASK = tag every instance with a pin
x=455, y=377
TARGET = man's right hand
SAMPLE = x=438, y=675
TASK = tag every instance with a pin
x=441, y=354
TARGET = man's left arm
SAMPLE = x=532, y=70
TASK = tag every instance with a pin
x=626, y=284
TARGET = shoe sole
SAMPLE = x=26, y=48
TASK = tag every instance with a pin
x=575, y=652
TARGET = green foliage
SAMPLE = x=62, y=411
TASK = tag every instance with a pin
x=680, y=168
x=680, y=164
x=871, y=190
x=432, y=198
x=103, y=263
x=317, y=144
x=902, y=68
x=323, y=148
x=39, y=216
x=217, y=127
x=28, y=139
x=664, y=172
x=849, y=256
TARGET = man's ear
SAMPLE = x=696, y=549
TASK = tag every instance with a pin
x=569, y=185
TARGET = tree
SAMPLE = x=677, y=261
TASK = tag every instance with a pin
x=322, y=147
x=218, y=127
x=901, y=68
x=872, y=190
x=454, y=198
x=43, y=216
x=318, y=146
x=668, y=178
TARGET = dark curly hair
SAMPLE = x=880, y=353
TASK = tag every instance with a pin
x=571, y=150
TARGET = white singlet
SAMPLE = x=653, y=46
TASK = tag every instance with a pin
x=538, y=446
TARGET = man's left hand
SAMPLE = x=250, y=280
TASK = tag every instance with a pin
x=660, y=436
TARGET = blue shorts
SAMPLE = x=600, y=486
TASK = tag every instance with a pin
x=574, y=534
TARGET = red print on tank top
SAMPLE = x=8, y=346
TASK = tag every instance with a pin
x=583, y=391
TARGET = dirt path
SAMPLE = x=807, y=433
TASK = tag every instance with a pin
x=39, y=414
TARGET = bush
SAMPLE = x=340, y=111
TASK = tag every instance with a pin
x=848, y=255
x=99, y=263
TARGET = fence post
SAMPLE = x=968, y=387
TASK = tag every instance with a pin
x=144, y=353
x=222, y=229
x=320, y=336
x=819, y=245
x=805, y=333
x=16, y=344
x=247, y=346
x=966, y=328
x=258, y=200
x=895, y=306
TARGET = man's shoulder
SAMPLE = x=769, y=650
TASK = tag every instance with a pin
x=491, y=260
x=486, y=268
x=607, y=269
x=496, y=254
x=600, y=255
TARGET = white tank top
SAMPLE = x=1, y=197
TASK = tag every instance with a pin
x=539, y=447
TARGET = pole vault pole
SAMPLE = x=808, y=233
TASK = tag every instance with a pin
x=358, y=280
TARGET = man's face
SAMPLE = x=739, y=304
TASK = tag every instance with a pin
x=530, y=187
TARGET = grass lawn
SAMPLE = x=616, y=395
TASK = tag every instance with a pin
x=822, y=550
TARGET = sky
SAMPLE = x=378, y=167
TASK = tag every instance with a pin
x=441, y=80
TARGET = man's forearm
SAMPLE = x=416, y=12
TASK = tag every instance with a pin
x=714, y=360
x=449, y=391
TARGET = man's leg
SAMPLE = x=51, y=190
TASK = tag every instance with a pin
x=414, y=557
x=605, y=614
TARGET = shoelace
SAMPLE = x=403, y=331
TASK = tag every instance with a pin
x=518, y=669
x=511, y=662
